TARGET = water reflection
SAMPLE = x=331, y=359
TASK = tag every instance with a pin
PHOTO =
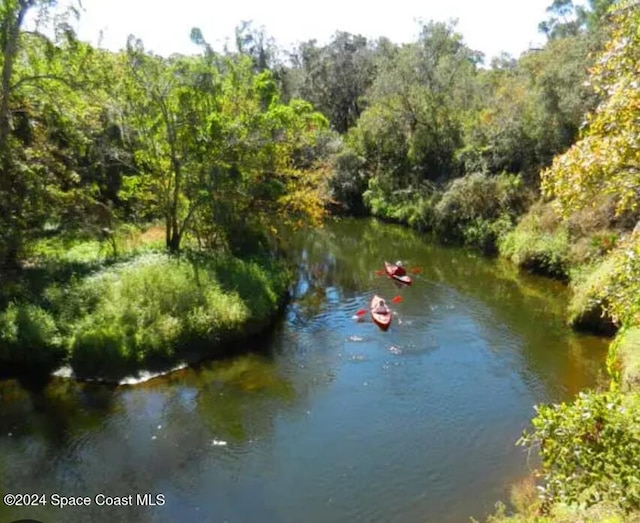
x=326, y=419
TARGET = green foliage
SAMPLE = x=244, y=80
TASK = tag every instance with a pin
x=349, y=181
x=528, y=111
x=29, y=336
x=623, y=359
x=589, y=300
x=216, y=149
x=539, y=243
x=589, y=449
x=415, y=101
x=478, y=210
x=563, y=513
x=608, y=293
x=334, y=77
x=143, y=312
x=567, y=19
x=414, y=206
x=606, y=159
x=620, y=292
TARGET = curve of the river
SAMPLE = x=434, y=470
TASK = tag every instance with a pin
x=326, y=419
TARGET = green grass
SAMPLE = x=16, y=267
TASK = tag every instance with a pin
x=139, y=312
x=537, y=251
x=624, y=359
x=586, y=309
x=29, y=336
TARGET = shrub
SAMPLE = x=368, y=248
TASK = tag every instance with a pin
x=145, y=311
x=29, y=335
x=349, y=181
x=537, y=251
x=589, y=302
x=471, y=204
x=589, y=449
x=621, y=291
x=623, y=359
x=414, y=206
x=612, y=285
x=485, y=235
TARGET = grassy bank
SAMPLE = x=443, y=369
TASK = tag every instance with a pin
x=111, y=316
x=475, y=210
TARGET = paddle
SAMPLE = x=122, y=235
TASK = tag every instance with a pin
x=397, y=299
x=379, y=273
x=361, y=312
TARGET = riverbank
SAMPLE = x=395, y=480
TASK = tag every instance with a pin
x=107, y=318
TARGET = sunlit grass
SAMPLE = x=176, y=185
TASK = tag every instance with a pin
x=144, y=310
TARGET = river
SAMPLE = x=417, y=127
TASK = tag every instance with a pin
x=326, y=419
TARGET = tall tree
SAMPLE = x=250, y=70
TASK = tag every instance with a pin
x=23, y=170
x=215, y=147
x=569, y=19
x=335, y=77
x=423, y=89
x=607, y=158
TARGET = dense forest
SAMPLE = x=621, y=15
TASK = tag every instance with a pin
x=143, y=198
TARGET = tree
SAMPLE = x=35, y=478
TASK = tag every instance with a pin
x=12, y=16
x=30, y=60
x=607, y=158
x=423, y=89
x=335, y=77
x=214, y=146
x=567, y=19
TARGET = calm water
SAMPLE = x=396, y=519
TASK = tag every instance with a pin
x=327, y=420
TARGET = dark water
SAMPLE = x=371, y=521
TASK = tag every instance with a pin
x=328, y=420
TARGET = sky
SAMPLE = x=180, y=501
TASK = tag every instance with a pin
x=490, y=26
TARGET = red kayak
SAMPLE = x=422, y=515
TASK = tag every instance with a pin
x=397, y=273
x=381, y=315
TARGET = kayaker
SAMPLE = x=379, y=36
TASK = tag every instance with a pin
x=381, y=308
x=399, y=268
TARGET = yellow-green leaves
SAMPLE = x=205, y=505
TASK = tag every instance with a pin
x=607, y=158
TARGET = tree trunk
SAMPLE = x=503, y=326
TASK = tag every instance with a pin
x=167, y=231
x=174, y=242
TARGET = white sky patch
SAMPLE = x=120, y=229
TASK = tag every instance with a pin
x=490, y=26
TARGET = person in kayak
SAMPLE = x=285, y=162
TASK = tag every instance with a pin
x=399, y=269
x=381, y=308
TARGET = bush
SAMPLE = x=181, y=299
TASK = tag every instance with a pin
x=623, y=359
x=588, y=305
x=349, y=181
x=471, y=206
x=590, y=450
x=539, y=245
x=29, y=336
x=621, y=291
x=414, y=206
x=563, y=513
x=143, y=312
x=611, y=288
